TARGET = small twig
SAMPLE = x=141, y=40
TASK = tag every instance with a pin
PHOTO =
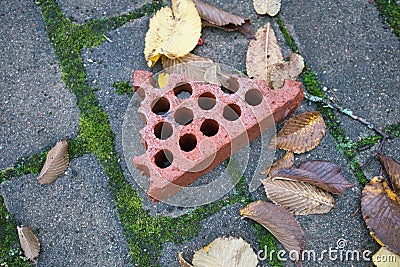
x=108, y=39
x=355, y=212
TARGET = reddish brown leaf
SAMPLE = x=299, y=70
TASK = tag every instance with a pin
x=322, y=174
x=380, y=207
x=29, y=243
x=301, y=133
x=244, y=28
x=57, y=161
x=392, y=168
x=217, y=16
x=279, y=222
x=285, y=162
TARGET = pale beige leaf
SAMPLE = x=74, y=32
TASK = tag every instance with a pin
x=300, y=198
x=226, y=252
x=300, y=133
x=29, y=243
x=279, y=222
x=386, y=258
x=191, y=66
x=57, y=161
x=182, y=261
x=173, y=32
x=282, y=71
x=263, y=52
x=284, y=163
x=270, y=7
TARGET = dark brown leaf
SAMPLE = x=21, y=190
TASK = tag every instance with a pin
x=380, y=207
x=217, y=16
x=29, y=243
x=322, y=174
x=300, y=198
x=57, y=161
x=301, y=133
x=285, y=162
x=392, y=168
x=279, y=222
x=244, y=28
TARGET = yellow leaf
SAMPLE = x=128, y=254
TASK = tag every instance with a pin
x=163, y=79
x=173, y=32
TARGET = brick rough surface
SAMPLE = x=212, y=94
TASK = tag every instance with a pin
x=185, y=138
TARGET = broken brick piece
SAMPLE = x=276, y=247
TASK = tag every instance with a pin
x=185, y=138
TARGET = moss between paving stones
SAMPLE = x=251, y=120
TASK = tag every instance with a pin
x=123, y=88
x=145, y=234
x=390, y=11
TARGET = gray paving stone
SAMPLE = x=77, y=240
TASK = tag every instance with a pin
x=36, y=109
x=74, y=217
x=352, y=51
x=83, y=10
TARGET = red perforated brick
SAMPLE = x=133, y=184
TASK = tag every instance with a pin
x=185, y=138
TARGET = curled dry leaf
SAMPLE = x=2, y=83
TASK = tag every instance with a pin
x=29, y=243
x=285, y=162
x=182, y=261
x=279, y=222
x=226, y=252
x=173, y=32
x=263, y=52
x=300, y=198
x=282, y=71
x=301, y=133
x=322, y=174
x=57, y=161
x=270, y=7
x=244, y=28
x=386, y=258
x=392, y=168
x=380, y=207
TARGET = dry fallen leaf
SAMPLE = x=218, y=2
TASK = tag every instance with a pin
x=191, y=66
x=386, y=258
x=301, y=133
x=282, y=71
x=29, y=243
x=392, y=168
x=380, y=207
x=285, y=162
x=263, y=52
x=173, y=32
x=244, y=28
x=57, y=161
x=322, y=174
x=300, y=198
x=279, y=222
x=226, y=252
x=270, y=7
x=182, y=261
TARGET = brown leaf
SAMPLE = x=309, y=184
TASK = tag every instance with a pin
x=217, y=16
x=244, y=28
x=183, y=262
x=29, y=243
x=392, y=168
x=300, y=198
x=270, y=7
x=57, y=161
x=322, y=174
x=301, y=133
x=263, y=53
x=279, y=222
x=226, y=252
x=282, y=71
x=285, y=162
x=380, y=207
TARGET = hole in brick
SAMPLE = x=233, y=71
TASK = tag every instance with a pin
x=163, y=130
x=163, y=159
x=206, y=101
x=253, y=97
x=183, y=91
x=209, y=127
x=187, y=142
x=230, y=86
x=183, y=116
x=160, y=106
x=232, y=112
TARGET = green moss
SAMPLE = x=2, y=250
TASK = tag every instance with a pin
x=10, y=251
x=390, y=11
x=286, y=35
x=123, y=88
